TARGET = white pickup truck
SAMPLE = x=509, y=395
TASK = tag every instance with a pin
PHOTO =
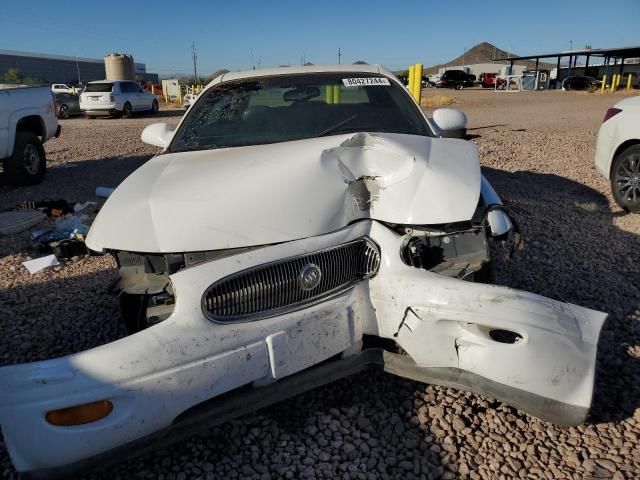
x=27, y=120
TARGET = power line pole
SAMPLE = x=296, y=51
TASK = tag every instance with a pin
x=78, y=68
x=194, y=54
x=339, y=55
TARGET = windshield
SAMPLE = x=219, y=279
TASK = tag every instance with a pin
x=294, y=107
x=99, y=87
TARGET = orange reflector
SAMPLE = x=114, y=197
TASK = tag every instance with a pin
x=80, y=414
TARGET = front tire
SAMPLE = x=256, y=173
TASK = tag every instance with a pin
x=459, y=87
x=28, y=163
x=154, y=107
x=64, y=112
x=127, y=111
x=625, y=179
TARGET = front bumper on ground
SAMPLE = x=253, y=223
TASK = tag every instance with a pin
x=446, y=326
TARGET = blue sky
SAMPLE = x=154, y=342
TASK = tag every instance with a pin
x=227, y=34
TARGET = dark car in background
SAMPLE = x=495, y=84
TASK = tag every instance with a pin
x=579, y=82
x=457, y=79
x=426, y=82
x=67, y=104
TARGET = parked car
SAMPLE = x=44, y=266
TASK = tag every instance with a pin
x=618, y=152
x=27, y=121
x=426, y=82
x=61, y=88
x=492, y=80
x=189, y=99
x=67, y=104
x=116, y=98
x=635, y=80
x=280, y=239
x=579, y=82
x=457, y=79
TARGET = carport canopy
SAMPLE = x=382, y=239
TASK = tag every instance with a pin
x=611, y=57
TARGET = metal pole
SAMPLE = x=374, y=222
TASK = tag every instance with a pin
x=78, y=68
x=194, y=54
x=557, y=72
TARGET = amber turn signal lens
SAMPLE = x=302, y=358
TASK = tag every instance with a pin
x=80, y=414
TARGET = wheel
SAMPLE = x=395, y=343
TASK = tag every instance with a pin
x=64, y=112
x=28, y=163
x=625, y=179
x=459, y=87
x=127, y=111
x=155, y=107
x=90, y=117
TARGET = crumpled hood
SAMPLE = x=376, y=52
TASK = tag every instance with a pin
x=246, y=196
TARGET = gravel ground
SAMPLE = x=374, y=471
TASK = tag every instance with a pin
x=537, y=149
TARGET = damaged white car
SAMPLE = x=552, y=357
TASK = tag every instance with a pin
x=299, y=225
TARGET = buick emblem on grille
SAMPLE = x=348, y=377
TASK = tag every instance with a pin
x=309, y=277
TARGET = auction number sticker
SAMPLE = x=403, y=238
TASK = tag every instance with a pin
x=365, y=82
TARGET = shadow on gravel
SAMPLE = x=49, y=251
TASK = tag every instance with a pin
x=574, y=252
x=80, y=180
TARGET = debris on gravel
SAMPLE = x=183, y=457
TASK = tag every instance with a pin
x=537, y=150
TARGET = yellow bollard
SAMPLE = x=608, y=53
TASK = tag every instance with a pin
x=604, y=83
x=336, y=94
x=629, y=82
x=618, y=81
x=329, y=94
x=152, y=92
x=613, y=82
x=417, y=80
x=411, y=74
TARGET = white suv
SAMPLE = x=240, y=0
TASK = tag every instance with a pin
x=118, y=97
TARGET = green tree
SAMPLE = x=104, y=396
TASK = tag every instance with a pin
x=12, y=75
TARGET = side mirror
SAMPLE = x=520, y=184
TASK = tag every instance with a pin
x=158, y=134
x=451, y=122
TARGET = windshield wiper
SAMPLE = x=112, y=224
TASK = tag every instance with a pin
x=335, y=127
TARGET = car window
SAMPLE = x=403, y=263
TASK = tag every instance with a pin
x=294, y=107
x=102, y=87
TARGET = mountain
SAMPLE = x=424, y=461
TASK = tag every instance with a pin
x=483, y=53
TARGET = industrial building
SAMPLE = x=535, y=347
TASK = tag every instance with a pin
x=48, y=68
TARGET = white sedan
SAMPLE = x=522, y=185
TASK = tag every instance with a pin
x=618, y=152
x=299, y=225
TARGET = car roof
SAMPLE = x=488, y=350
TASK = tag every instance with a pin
x=309, y=69
x=109, y=81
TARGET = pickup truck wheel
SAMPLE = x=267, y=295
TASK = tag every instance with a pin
x=28, y=163
x=64, y=112
x=154, y=107
x=127, y=111
x=625, y=179
x=459, y=87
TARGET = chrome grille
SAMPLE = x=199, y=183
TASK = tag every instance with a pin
x=281, y=286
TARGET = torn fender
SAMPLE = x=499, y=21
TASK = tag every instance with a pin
x=532, y=352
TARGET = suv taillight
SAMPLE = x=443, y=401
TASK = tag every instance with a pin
x=612, y=112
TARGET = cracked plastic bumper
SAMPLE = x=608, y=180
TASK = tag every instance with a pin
x=443, y=324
